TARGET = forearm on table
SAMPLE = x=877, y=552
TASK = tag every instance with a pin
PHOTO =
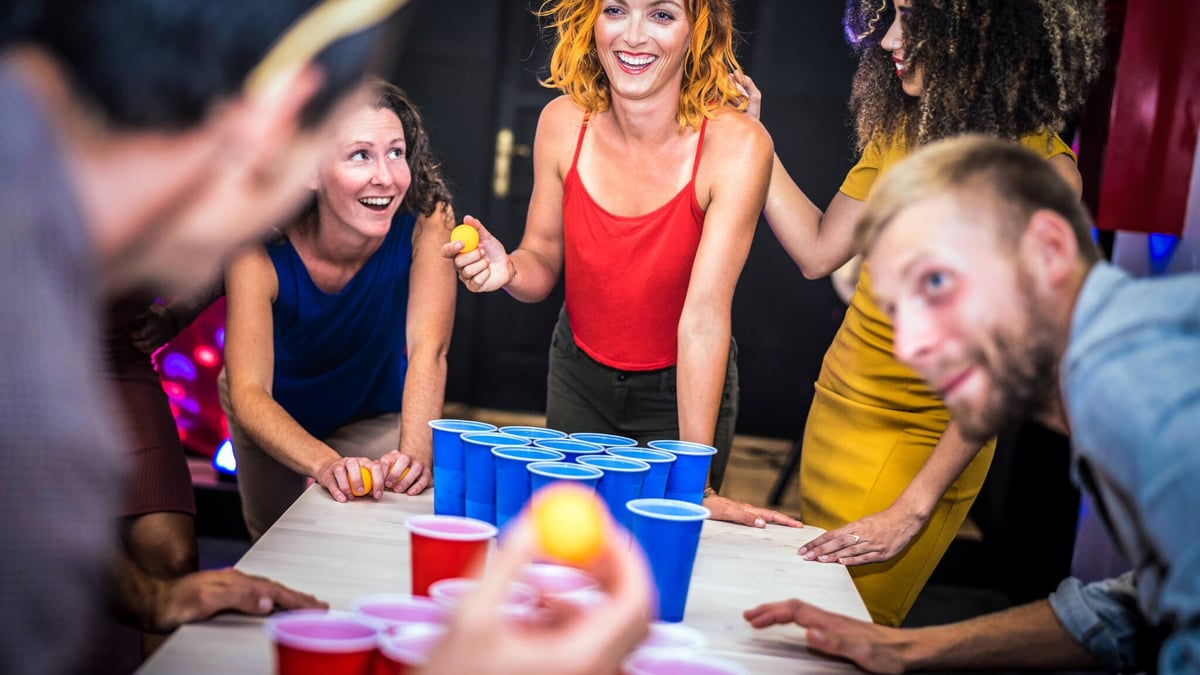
x=133, y=594
x=700, y=380
x=424, y=393
x=950, y=457
x=1025, y=637
x=279, y=434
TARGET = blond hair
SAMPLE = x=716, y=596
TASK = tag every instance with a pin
x=707, y=86
x=1011, y=179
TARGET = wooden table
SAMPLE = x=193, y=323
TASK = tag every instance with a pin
x=340, y=552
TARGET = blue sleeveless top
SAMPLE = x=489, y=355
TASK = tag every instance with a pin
x=341, y=357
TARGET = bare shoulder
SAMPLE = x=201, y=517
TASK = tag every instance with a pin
x=736, y=134
x=252, y=271
x=560, y=118
x=739, y=138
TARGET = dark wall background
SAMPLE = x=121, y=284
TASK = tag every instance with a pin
x=473, y=66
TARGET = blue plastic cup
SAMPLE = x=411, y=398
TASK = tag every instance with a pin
x=660, y=462
x=449, y=464
x=481, y=471
x=512, y=478
x=621, y=482
x=542, y=474
x=533, y=433
x=669, y=532
x=689, y=473
x=607, y=440
x=570, y=447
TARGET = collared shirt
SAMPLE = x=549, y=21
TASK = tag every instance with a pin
x=1131, y=387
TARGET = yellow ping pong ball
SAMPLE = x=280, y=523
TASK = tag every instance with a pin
x=570, y=523
x=368, y=483
x=468, y=235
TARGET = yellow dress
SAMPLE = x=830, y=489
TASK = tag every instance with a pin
x=872, y=425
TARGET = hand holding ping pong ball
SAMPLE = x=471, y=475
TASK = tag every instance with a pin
x=468, y=235
x=368, y=483
x=571, y=524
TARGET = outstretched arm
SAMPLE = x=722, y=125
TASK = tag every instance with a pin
x=1025, y=637
x=737, y=187
x=427, y=331
x=880, y=536
x=162, y=605
x=817, y=242
x=250, y=365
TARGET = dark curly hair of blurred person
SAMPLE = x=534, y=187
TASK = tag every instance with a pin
x=1006, y=68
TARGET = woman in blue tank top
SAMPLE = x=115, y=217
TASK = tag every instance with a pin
x=337, y=333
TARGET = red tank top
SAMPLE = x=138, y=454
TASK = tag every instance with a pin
x=627, y=276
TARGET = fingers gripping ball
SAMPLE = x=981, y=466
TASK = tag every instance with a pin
x=367, y=483
x=468, y=235
x=571, y=523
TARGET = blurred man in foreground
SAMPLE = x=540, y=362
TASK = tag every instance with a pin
x=140, y=141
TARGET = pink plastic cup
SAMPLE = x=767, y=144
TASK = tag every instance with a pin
x=445, y=547
x=316, y=642
x=680, y=662
x=553, y=580
x=673, y=635
x=395, y=610
x=407, y=649
x=449, y=593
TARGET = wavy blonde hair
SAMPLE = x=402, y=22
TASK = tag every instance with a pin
x=575, y=66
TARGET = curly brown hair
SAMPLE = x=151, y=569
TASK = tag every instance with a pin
x=428, y=188
x=1006, y=68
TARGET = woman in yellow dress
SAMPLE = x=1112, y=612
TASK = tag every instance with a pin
x=884, y=469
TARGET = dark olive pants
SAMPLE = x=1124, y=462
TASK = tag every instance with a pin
x=583, y=395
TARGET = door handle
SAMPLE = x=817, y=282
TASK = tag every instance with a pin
x=502, y=164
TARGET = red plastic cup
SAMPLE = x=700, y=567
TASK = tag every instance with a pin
x=395, y=610
x=407, y=649
x=316, y=642
x=445, y=547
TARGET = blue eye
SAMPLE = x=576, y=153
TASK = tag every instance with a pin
x=358, y=155
x=396, y=153
x=934, y=283
x=663, y=16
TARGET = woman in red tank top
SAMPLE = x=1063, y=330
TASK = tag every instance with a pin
x=647, y=188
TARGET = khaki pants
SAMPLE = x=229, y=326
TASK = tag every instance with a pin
x=268, y=488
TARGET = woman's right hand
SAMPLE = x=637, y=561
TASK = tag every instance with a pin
x=750, y=92
x=342, y=477
x=487, y=268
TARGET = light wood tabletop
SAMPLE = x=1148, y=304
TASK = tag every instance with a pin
x=340, y=552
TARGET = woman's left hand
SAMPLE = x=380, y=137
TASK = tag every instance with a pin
x=731, y=511
x=405, y=474
x=875, y=538
x=750, y=92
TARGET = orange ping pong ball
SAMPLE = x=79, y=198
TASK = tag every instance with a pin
x=570, y=522
x=468, y=235
x=367, y=483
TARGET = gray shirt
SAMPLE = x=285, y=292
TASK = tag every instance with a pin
x=1131, y=386
x=61, y=460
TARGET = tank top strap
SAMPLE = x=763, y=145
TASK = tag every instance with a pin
x=699, y=148
x=579, y=143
